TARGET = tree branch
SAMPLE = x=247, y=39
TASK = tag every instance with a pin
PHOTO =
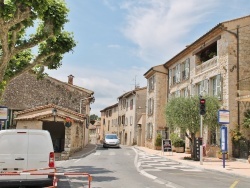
x=36, y=61
x=19, y=16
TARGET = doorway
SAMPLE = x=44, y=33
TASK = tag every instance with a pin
x=57, y=133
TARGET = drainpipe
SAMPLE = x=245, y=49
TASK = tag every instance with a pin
x=238, y=74
x=237, y=66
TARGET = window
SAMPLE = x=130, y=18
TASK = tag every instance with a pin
x=123, y=120
x=103, y=121
x=185, y=92
x=174, y=76
x=126, y=121
x=216, y=86
x=149, y=131
x=131, y=120
x=150, y=106
x=177, y=93
x=131, y=104
x=185, y=69
x=110, y=112
x=107, y=113
x=202, y=87
x=178, y=73
x=126, y=106
x=151, y=82
x=119, y=120
x=124, y=103
x=108, y=124
x=187, y=63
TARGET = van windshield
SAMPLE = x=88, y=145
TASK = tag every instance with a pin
x=111, y=136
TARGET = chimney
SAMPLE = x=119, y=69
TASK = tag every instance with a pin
x=70, y=79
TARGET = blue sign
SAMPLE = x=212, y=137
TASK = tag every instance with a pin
x=223, y=136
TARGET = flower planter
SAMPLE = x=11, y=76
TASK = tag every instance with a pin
x=179, y=149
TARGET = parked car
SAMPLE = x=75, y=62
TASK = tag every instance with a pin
x=111, y=140
x=24, y=149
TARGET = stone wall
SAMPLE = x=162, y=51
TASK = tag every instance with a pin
x=25, y=91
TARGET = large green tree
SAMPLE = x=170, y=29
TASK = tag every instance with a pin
x=183, y=113
x=32, y=36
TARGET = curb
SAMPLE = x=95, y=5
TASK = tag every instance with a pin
x=85, y=154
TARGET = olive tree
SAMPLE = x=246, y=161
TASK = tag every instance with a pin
x=32, y=36
x=183, y=113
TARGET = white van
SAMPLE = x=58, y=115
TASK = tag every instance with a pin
x=25, y=149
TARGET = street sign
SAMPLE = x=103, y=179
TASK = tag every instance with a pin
x=223, y=116
x=223, y=136
x=3, y=113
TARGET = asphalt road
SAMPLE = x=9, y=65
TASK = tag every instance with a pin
x=128, y=167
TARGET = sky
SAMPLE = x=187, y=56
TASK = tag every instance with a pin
x=118, y=41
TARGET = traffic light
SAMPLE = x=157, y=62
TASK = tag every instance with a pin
x=202, y=106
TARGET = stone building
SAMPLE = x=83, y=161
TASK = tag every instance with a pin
x=131, y=106
x=35, y=103
x=156, y=101
x=109, y=120
x=216, y=64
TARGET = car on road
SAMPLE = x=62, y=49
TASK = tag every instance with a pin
x=111, y=140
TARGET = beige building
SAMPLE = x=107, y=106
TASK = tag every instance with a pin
x=156, y=101
x=131, y=107
x=109, y=120
x=216, y=64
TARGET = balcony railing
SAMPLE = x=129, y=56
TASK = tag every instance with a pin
x=206, y=65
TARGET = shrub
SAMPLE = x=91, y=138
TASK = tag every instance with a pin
x=179, y=142
x=158, y=140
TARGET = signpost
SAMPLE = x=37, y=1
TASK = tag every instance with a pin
x=167, y=146
x=223, y=118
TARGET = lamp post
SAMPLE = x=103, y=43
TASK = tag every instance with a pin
x=54, y=113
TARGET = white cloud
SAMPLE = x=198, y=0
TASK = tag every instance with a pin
x=158, y=26
x=107, y=85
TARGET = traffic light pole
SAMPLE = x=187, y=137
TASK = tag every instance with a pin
x=201, y=147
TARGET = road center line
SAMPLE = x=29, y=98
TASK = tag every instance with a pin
x=234, y=184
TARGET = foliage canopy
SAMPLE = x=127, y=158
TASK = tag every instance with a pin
x=183, y=113
x=50, y=41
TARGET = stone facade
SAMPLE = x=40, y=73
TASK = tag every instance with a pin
x=218, y=75
x=25, y=93
x=131, y=106
x=156, y=101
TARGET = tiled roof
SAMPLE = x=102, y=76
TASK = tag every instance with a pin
x=46, y=114
x=71, y=85
x=51, y=106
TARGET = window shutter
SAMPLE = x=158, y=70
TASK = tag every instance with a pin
x=178, y=73
x=219, y=85
x=187, y=67
x=170, y=78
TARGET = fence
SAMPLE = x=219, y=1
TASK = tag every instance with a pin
x=54, y=174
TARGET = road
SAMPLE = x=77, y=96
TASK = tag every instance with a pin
x=128, y=167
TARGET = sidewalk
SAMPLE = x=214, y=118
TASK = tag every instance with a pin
x=234, y=167
x=88, y=149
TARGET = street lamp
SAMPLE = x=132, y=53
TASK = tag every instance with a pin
x=54, y=112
